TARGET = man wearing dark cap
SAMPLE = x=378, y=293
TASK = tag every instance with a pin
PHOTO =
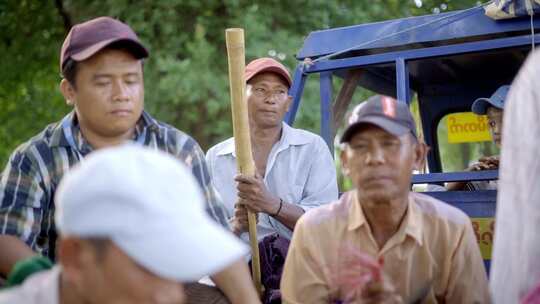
x=295, y=170
x=101, y=65
x=493, y=107
x=382, y=243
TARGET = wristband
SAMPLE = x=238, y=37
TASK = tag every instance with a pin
x=279, y=209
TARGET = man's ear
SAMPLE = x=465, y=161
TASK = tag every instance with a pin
x=68, y=91
x=420, y=155
x=344, y=162
x=289, y=102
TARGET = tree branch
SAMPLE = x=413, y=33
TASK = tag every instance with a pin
x=64, y=14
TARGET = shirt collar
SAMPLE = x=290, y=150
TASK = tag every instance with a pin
x=58, y=138
x=292, y=137
x=356, y=215
x=414, y=223
x=413, y=219
x=228, y=148
x=289, y=137
x=67, y=132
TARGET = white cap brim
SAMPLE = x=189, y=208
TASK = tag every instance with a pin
x=211, y=249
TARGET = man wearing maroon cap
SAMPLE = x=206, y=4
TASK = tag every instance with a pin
x=101, y=65
x=382, y=243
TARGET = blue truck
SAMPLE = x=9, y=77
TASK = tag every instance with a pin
x=444, y=61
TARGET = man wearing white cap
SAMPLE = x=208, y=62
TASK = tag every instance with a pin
x=123, y=238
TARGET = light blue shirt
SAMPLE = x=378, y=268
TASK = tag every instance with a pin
x=300, y=170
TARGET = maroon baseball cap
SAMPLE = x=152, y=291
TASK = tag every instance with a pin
x=86, y=39
x=384, y=112
x=265, y=64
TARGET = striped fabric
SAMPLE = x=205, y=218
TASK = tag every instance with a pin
x=506, y=9
x=29, y=181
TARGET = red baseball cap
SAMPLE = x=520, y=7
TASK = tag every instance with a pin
x=265, y=64
x=86, y=39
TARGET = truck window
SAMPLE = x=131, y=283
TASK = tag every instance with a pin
x=463, y=138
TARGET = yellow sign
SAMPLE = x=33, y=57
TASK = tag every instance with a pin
x=483, y=229
x=467, y=127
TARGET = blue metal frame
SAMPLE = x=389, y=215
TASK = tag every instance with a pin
x=471, y=24
x=422, y=53
x=402, y=79
x=326, y=109
x=296, y=92
x=400, y=59
x=475, y=203
x=433, y=178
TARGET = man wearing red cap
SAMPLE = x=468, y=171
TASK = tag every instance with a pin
x=295, y=170
x=101, y=65
x=382, y=243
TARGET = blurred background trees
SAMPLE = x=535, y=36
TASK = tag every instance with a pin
x=186, y=75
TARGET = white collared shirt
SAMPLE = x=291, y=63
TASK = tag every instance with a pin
x=40, y=288
x=300, y=170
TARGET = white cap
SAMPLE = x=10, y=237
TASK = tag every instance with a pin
x=150, y=205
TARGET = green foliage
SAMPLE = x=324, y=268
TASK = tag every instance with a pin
x=186, y=75
x=29, y=76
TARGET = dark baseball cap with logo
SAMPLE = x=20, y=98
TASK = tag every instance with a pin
x=384, y=112
x=86, y=39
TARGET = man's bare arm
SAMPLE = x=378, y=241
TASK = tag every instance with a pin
x=288, y=214
x=13, y=250
x=235, y=282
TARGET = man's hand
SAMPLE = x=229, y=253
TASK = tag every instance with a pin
x=382, y=292
x=485, y=163
x=254, y=195
x=13, y=250
x=239, y=222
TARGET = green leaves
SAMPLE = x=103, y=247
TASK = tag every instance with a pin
x=186, y=75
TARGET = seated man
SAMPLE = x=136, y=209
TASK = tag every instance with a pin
x=493, y=107
x=102, y=67
x=123, y=238
x=423, y=250
x=295, y=170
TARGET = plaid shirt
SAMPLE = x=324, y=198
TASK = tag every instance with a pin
x=29, y=181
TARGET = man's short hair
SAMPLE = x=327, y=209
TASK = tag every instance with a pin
x=69, y=72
